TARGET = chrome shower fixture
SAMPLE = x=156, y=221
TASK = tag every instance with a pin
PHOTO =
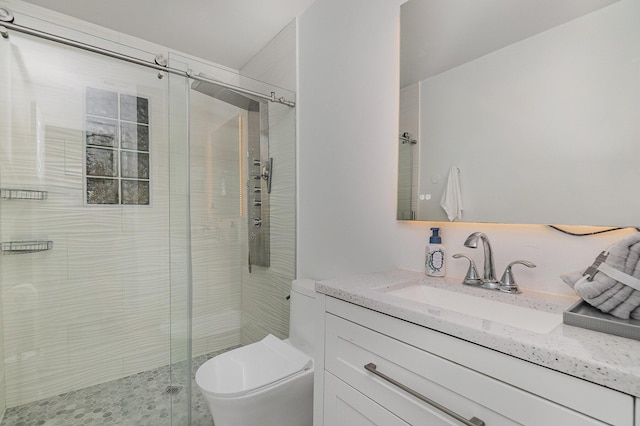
x=406, y=137
x=6, y=15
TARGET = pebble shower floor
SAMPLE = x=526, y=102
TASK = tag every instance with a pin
x=136, y=400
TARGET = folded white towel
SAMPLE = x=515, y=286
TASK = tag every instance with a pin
x=451, y=200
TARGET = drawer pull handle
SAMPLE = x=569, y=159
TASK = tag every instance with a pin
x=474, y=421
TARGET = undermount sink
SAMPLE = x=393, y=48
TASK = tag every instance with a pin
x=516, y=316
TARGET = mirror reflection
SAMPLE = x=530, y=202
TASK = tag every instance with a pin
x=531, y=105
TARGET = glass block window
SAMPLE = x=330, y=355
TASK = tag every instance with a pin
x=116, y=148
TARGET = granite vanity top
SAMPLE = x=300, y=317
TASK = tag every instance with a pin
x=600, y=358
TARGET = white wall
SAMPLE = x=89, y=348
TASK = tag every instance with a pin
x=554, y=253
x=276, y=62
x=347, y=129
x=348, y=115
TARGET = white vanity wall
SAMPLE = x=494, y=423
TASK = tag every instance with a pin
x=347, y=151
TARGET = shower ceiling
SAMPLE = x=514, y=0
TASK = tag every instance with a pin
x=226, y=32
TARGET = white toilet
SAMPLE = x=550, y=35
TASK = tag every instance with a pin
x=267, y=383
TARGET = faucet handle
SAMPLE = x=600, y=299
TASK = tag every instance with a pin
x=508, y=281
x=472, y=277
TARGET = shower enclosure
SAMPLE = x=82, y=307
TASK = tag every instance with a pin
x=146, y=220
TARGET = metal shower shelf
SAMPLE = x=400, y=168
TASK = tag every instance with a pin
x=24, y=247
x=22, y=194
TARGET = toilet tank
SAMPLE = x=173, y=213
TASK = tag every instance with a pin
x=302, y=321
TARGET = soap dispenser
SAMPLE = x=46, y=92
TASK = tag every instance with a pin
x=434, y=262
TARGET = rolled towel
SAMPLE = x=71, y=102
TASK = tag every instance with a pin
x=606, y=292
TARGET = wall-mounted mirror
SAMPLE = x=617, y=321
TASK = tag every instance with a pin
x=535, y=102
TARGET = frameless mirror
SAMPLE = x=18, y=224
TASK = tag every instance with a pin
x=535, y=102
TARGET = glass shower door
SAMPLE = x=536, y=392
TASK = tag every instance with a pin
x=232, y=303
x=94, y=238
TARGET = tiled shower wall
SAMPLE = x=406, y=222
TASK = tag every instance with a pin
x=216, y=224
x=265, y=309
x=93, y=308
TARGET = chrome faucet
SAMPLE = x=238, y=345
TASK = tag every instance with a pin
x=506, y=284
x=508, y=281
x=489, y=269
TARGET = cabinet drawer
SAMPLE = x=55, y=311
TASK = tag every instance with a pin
x=345, y=406
x=349, y=347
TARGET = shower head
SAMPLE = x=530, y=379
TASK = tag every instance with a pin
x=229, y=96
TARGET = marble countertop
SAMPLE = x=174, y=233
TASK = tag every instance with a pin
x=600, y=358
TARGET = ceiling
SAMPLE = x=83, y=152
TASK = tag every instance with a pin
x=437, y=35
x=226, y=32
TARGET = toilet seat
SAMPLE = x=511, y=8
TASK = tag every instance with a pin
x=251, y=368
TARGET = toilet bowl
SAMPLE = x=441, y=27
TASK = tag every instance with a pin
x=270, y=382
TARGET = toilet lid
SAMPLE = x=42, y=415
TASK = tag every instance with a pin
x=249, y=368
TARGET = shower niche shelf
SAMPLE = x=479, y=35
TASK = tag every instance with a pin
x=25, y=247
x=22, y=194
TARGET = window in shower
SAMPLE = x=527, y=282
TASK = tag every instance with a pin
x=116, y=148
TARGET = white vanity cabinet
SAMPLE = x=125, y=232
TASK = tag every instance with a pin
x=472, y=382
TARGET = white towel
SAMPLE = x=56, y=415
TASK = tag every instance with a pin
x=451, y=200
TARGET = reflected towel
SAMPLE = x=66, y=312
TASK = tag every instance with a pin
x=451, y=200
